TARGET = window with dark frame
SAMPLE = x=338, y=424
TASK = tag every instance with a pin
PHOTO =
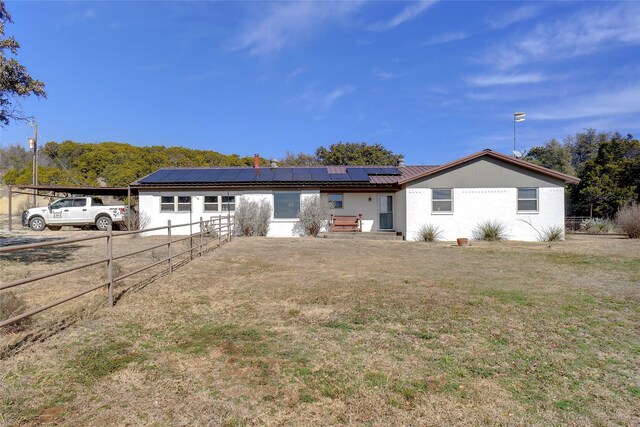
x=527, y=200
x=442, y=200
x=286, y=205
x=336, y=200
x=219, y=203
x=175, y=203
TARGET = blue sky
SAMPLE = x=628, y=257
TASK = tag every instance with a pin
x=432, y=80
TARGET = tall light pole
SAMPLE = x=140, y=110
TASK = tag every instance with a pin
x=33, y=145
x=517, y=117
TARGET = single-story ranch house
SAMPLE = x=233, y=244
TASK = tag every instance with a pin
x=455, y=197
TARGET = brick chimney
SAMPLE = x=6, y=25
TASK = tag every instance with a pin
x=256, y=161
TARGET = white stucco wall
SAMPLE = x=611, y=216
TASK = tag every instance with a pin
x=149, y=203
x=358, y=203
x=474, y=205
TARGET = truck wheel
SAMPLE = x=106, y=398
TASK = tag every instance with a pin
x=103, y=223
x=37, y=223
x=54, y=227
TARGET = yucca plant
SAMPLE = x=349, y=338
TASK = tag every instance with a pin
x=429, y=233
x=490, y=230
x=554, y=233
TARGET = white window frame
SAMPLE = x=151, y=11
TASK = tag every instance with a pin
x=176, y=204
x=220, y=203
x=341, y=200
x=434, y=200
x=537, y=200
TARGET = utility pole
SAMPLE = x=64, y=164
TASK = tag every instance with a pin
x=33, y=145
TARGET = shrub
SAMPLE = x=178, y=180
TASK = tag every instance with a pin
x=554, y=233
x=490, y=230
x=628, y=219
x=252, y=218
x=138, y=221
x=11, y=306
x=597, y=226
x=314, y=213
x=429, y=233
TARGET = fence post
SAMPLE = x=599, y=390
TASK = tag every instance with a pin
x=110, y=264
x=201, y=235
x=219, y=228
x=169, y=246
x=229, y=226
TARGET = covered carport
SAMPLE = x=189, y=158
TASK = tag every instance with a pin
x=66, y=191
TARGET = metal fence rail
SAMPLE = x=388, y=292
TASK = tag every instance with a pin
x=220, y=227
x=572, y=223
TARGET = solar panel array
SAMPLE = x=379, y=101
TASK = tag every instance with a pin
x=251, y=175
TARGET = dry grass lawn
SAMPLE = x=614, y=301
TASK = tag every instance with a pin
x=325, y=332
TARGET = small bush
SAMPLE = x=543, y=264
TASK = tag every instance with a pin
x=252, y=218
x=554, y=233
x=597, y=226
x=490, y=230
x=429, y=233
x=138, y=221
x=628, y=219
x=11, y=306
x=314, y=214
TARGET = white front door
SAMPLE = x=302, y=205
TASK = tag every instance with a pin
x=385, y=212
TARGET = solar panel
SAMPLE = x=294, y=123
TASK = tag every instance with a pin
x=232, y=175
x=357, y=174
x=340, y=177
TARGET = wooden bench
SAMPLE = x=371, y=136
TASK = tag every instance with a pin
x=346, y=223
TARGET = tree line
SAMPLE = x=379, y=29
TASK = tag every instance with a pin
x=112, y=164
x=607, y=163
x=117, y=164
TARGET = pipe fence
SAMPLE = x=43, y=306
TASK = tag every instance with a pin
x=216, y=229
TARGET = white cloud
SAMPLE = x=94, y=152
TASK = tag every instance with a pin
x=622, y=102
x=445, y=38
x=407, y=14
x=523, y=13
x=583, y=33
x=286, y=24
x=295, y=73
x=506, y=79
x=314, y=100
x=383, y=75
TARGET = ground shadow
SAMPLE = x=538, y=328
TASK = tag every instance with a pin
x=46, y=255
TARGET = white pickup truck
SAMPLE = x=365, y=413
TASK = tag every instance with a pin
x=75, y=211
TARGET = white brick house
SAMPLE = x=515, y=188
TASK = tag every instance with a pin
x=455, y=196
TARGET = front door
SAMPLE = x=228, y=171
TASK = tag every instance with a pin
x=385, y=211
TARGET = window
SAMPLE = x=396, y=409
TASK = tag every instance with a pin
x=79, y=203
x=527, y=199
x=228, y=203
x=335, y=200
x=286, y=204
x=184, y=203
x=219, y=203
x=62, y=203
x=175, y=203
x=442, y=200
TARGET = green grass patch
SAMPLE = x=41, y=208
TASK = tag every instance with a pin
x=230, y=338
x=509, y=296
x=93, y=363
